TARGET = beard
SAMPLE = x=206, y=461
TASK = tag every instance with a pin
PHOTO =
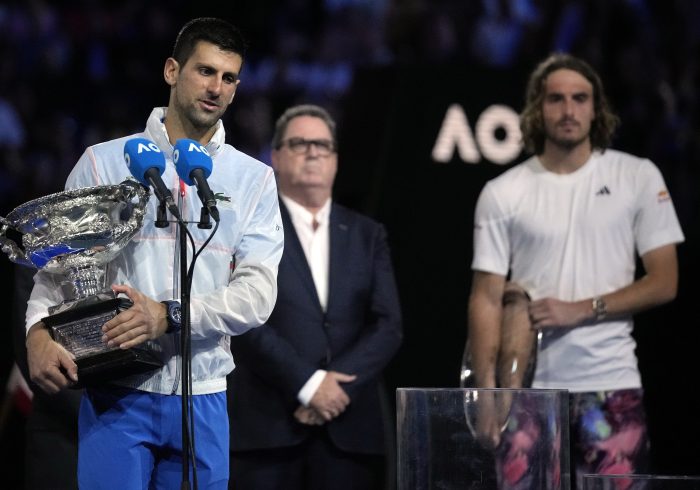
x=200, y=120
x=565, y=142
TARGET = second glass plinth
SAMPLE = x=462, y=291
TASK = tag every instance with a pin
x=503, y=439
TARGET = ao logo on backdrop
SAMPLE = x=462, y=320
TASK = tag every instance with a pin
x=456, y=134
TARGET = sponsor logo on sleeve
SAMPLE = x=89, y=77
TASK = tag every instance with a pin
x=663, y=196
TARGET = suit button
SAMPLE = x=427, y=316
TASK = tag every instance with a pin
x=326, y=324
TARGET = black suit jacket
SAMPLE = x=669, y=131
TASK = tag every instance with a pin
x=359, y=333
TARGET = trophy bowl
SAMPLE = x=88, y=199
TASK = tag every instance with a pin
x=75, y=234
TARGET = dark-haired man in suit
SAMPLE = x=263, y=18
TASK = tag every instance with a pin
x=304, y=399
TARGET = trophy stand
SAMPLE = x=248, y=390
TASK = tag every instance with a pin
x=77, y=325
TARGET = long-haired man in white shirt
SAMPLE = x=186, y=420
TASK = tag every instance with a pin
x=566, y=226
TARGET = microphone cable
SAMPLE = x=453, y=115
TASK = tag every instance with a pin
x=188, y=425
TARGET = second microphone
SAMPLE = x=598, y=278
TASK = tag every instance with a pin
x=194, y=165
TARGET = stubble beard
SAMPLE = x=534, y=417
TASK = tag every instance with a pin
x=566, y=143
x=198, y=119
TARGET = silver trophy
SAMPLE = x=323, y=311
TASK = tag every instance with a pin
x=75, y=234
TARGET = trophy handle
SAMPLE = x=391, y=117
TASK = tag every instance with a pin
x=10, y=246
x=139, y=189
x=132, y=189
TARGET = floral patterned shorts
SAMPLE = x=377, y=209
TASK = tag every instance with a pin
x=608, y=435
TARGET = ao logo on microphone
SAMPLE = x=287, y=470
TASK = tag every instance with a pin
x=193, y=147
x=456, y=134
x=140, y=148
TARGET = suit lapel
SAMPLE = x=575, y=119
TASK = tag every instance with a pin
x=339, y=245
x=295, y=254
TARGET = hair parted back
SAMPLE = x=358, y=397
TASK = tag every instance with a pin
x=531, y=122
x=302, y=110
x=210, y=29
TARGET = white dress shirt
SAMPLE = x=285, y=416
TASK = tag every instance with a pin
x=315, y=241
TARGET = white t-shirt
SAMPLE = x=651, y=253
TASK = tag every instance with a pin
x=574, y=236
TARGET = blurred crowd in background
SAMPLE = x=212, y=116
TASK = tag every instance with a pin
x=73, y=73
x=76, y=73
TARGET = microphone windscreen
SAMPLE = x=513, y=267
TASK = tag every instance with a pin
x=141, y=155
x=188, y=156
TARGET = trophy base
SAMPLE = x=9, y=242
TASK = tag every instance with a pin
x=101, y=368
x=78, y=327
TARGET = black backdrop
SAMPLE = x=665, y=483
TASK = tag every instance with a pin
x=427, y=206
x=390, y=121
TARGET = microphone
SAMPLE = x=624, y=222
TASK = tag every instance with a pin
x=146, y=162
x=194, y=165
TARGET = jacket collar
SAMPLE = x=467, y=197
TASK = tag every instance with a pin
x=155, y=131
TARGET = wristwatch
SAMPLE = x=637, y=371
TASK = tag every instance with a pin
x=600, y=308
x=174, y=316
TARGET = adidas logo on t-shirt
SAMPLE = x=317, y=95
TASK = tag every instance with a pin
x=603, y=190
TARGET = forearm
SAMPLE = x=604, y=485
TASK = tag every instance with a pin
x=485, y=318
x=45, y=293
x=248, y=298
x=518, y=339
x=659, y=284
x=245, y=303
x=641, y=295
x=484, y=340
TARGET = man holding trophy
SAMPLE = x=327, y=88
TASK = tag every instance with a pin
x=129, y=428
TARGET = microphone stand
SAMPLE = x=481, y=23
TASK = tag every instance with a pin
x=188, y=448
x=161, y=216
x=185, y=353
x=204, y=220
x=185, y=335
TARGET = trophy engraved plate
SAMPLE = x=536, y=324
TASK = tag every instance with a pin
x=82, y=337
x=75, y=234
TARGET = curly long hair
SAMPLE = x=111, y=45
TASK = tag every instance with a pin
x=603, y=125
